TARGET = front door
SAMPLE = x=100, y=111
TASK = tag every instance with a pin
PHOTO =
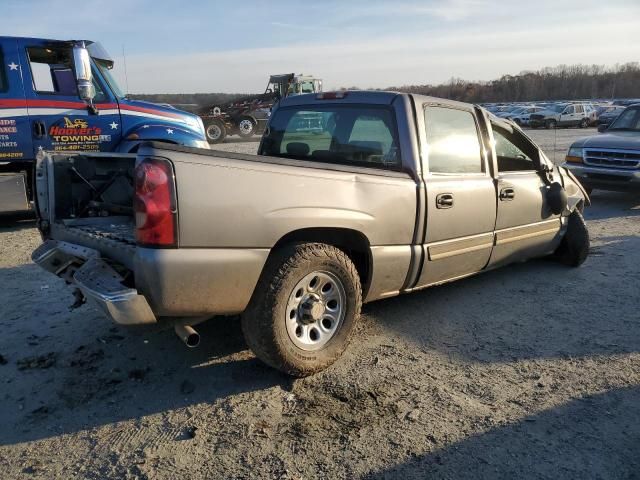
x=15, y=130
x=568, y=117
x=525, y=227
x=60, y=120
x=461, y=198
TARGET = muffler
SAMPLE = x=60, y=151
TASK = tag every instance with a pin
x=188, y=335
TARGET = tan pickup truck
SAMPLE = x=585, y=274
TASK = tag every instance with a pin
x=353, y=197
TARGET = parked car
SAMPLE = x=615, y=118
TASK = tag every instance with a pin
x=611, y=160
x=609, y=114
x=522, y=115
x=380, y=202
x=563, y=115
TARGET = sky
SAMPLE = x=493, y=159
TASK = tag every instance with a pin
x=193, y=46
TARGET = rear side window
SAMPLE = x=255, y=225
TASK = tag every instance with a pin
x=452, y=141
x=351, y=135
x=52, y=70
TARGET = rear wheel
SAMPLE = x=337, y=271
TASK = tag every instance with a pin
x=574, y=248
x=246, y=127
x=215, y=131
x=584, y=123
x=304, y=308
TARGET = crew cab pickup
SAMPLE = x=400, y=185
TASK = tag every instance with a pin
x=610, y=160
x=353, y=197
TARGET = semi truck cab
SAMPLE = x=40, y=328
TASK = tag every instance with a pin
x=61, y=96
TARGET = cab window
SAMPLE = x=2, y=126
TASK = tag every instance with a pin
x=52, y=70
x=569, y=110
x=514, y=152
x=348, y=135
x=452, y=141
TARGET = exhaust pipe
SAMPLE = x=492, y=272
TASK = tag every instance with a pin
x=188, y=335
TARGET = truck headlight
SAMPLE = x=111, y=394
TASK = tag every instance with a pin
x=574, y=155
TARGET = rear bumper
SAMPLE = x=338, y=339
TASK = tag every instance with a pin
x=96, y=280
x=185, y=282
x=606, y=178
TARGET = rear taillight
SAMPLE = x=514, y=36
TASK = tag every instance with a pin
x=155, y=203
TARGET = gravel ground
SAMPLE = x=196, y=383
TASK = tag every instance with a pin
x=532, y=371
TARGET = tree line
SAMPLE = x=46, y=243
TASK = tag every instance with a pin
x=564, y=82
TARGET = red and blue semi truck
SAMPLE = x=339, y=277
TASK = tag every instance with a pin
x=61, y=96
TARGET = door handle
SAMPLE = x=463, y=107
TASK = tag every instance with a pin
x=507, y=193
x=39, y=130
x=444, y=200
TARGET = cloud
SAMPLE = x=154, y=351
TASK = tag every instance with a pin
x=408, y=58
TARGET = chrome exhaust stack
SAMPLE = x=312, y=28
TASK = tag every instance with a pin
x=188, y=335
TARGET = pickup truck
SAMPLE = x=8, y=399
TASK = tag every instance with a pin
x=610, y=160
x=394, y=193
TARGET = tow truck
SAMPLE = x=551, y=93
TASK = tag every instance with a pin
x=61, y=96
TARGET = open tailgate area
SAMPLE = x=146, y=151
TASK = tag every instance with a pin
x=85, y=207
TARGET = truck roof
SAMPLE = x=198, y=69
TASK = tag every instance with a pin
x=375, y=97
x=53, y=40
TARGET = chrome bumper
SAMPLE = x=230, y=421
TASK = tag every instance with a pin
x=605, y=177
x=96, y=280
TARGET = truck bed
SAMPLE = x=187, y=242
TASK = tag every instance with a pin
x=114, y=237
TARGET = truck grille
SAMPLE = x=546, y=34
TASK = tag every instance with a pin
x=612, y=158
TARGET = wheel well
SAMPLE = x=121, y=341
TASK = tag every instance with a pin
x=353, y=243
x=135, y=148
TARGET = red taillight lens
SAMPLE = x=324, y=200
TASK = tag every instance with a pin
x=155, y=203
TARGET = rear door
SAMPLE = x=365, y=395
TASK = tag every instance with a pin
x=525, y=227
x=60, y=120
x=461, y=197
x=15, y=132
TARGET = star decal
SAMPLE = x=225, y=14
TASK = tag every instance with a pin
x=13, y=66
x=170, y=131
x=113, y=125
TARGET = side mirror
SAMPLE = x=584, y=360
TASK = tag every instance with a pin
x=556, y=198
x=602, y=128
x=84, y=77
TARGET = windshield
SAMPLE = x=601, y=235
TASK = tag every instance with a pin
x=105, y=69
x=558, y=108
x=352, y=135
x=628, y=120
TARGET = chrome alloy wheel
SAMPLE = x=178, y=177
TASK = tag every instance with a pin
x=315, y=310
x=246, y=127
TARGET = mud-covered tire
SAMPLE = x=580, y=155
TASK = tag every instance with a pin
x=264, y=323
x=574, y=248
x=215, y=131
